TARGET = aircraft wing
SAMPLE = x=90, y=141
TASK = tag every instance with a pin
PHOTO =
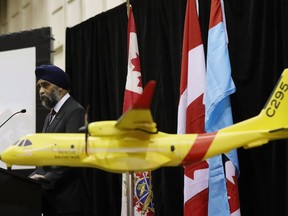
x=139, y=116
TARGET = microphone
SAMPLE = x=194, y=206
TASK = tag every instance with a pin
x=21, y=111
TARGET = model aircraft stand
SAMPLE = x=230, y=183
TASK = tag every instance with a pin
x=20, y=195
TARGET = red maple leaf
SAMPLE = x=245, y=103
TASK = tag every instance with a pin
x=136, y=63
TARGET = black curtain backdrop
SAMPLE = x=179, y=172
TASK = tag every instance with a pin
x=96, y=59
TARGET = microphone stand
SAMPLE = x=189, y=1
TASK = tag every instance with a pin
x=21, y=111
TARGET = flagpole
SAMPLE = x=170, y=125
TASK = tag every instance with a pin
x=130, y=185
x=128, y=7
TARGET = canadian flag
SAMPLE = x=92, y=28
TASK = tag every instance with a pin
x=142, y=189
x=191, y=110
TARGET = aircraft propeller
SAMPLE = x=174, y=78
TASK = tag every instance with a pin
x=86, y=130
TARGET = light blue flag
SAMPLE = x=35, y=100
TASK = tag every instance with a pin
x=219, y=86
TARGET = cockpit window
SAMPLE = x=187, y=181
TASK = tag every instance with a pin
x=19, y=143
x=16, y=143
x=24, y=142
x=27, y=143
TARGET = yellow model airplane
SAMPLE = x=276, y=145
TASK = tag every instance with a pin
x=133, y=143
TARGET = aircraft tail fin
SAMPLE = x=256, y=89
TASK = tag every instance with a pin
x=274, y=115
x=273, y=118
x=276, y=108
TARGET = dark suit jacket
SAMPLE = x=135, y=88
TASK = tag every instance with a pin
x=68, y=192
x=68, y=120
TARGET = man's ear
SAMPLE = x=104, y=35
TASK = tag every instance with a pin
x=63, y=91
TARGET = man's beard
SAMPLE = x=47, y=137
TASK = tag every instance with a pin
x=50, y=100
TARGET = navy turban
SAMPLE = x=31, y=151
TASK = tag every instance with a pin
x=54, y=75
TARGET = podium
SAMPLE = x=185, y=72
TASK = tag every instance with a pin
x=19, y=195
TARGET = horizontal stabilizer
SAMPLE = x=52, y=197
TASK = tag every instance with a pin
x=285, y=129
x=256, y=143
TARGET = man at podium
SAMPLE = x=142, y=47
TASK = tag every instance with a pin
x=67, y=193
